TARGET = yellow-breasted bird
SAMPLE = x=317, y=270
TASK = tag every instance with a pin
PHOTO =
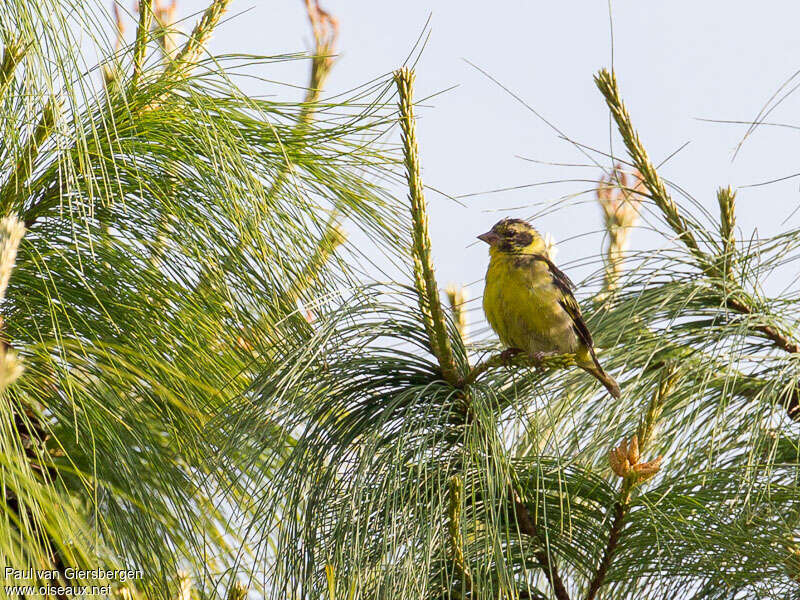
x=528, y=301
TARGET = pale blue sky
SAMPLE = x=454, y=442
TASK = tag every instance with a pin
x=675, y=61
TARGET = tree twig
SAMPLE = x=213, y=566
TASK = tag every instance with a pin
x=726, y=198
x=454, y=530
x=620, y=203
x=12, y=55
x=528, y=526
x=142, y=35
x=326, y=30
x=518, y=359
x=430, y=303
x=779, y=338
x=457, y=297
x=620, y=508
x=29, y=153
x=332, y=237
x=607, y=83
x=191, y=50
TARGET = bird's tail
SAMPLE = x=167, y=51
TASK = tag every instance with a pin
x=607, y=380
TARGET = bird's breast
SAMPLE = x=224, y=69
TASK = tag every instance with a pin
x=522, y=306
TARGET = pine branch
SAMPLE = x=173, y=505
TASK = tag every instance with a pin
x=526, y=524
x=22, y=171
x=607, y=83
x=518, y=359
x=424, y=279
x=457, y=297
x=200, y=35
x=12, y=55
x=528, y=527
x=326, y=30
x=332, y=237
x=778, y=337
x=142, y=36
x=727, y=202
x=456, y=542
x=740, y=301
x=178, y=69
x=620, y=204
x=26, y=421
x=321, y=65
x=11, y=233
x=625, y=463
x=727, y=217
x=237, y=591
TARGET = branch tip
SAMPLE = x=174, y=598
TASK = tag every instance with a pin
x=424, y=278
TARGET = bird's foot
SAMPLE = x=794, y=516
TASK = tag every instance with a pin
x=540, y=356
x=507, y=354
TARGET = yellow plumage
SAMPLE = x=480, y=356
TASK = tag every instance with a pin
x=529, y=303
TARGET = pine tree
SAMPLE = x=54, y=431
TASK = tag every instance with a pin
x=430, y=466
x=202, y=379
x=170, y=224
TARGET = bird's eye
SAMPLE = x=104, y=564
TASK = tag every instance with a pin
x=523, y=238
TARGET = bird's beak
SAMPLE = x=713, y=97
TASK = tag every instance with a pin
x=489, y=237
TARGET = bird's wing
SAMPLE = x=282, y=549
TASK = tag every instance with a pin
x=568, y=302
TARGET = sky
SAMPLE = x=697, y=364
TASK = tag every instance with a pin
x=676, y=62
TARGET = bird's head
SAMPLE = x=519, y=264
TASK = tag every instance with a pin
x=514, y=236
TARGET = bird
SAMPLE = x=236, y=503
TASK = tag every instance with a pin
x=528, y=300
